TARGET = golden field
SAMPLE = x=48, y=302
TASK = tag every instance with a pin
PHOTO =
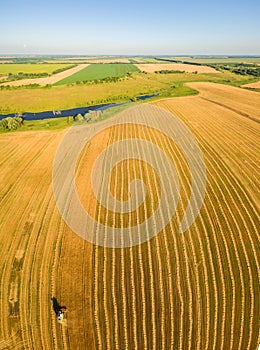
x=196, y=290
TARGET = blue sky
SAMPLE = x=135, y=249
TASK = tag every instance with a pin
x=130, y=27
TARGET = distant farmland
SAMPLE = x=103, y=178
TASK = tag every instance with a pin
x=210, y=60
x=69, y=96
x=99, y=71
x=31, y=68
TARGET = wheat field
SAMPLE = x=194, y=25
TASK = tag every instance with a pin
x=196, y=290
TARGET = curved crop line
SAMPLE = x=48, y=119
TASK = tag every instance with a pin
x=31, y=160
x=133, y=288
x=214, y=287
x=162, y=301
x=150, y=264
x=106, y=257
x=144, y=308
x=247, y=261
x=170, y=188
x=192, y=154
x=245, y=208
x=96, y=279
x=244, y=250
x=186, y=259
x=203, y=258
x=113, y=285
x=188, y=277
x=241, y=215
x=123, y=287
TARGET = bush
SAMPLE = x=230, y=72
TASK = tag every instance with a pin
x=10, y=123
x=21, y=76
x=165, y=71
x=63, y=69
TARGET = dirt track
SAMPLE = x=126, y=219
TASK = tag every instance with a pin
x=49, y=80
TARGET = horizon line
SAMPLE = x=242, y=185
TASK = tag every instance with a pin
x=129, y=55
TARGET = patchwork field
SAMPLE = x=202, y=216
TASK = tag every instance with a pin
x=99, y=71
x=151, y=68
x=197, y=290
x=39, y=99
x=49, y=80
x=106, y=60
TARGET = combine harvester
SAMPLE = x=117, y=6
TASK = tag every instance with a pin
x=60, y=313
x=58, y=309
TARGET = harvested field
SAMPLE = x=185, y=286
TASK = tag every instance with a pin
x=241, y=101
x=151, y=68
x=49, y=80
x=32, y=235
x=253, y=85
x=196, y=290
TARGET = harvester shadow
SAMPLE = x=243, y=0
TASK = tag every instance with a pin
x=56, y=306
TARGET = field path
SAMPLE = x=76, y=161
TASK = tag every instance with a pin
x=49, y=80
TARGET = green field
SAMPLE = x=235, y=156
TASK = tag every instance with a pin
x=30, y=68
x=99, y=71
